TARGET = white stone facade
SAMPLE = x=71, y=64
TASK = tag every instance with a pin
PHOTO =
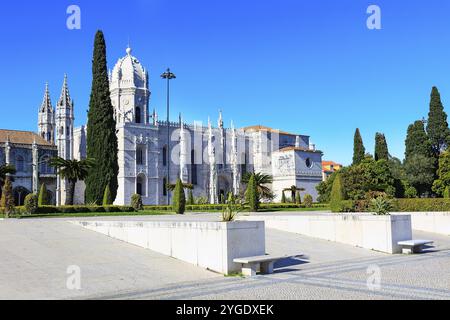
x=211, y=158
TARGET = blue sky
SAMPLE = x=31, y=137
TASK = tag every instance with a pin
x=306, y=66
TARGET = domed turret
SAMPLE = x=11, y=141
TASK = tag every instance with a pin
x=129, y=90
x=128, y=72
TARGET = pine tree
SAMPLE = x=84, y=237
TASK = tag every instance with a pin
x=7, y=201
x=101, y=130
x=358, y=148
x=381, y=148
x=417, y=142
x=337, y=194
x=179, y=198
x=437, y=125
x=43, y=196
x=107, y=200
x=252, y=194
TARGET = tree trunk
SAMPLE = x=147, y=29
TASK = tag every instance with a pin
x=70, y=193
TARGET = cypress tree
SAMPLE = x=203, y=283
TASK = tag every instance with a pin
x=337, y=194
x=107, y=201
x=43, y=196
x=179, y=198
x=437, y=125
x=358, y=148
x=190, y=200
x=101, y=130
x=283, y=197
x=298, y=199
x=7, y=201
x=252, y=194
x=417, y=142
x=381, y=148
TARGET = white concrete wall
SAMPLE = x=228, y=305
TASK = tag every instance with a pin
x=435, y=222
x=211, y=245
x=380, y=233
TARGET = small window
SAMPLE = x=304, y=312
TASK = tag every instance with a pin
x=138, y=114
x=139, y=156
x=164, y=152
x=164, y=187
x=309, y=163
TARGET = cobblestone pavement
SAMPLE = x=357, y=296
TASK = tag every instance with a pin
x=35, y=254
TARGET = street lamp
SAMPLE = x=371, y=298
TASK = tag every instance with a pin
x=169, y=76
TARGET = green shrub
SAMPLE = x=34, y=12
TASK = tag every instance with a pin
x=31, y=204
x=337, y=195
x=136, y=202
x=43, y=196
x=308, y=201
x=381, y=205
x=447, y=192
x=107, y=199
x=411, y=192
x=179, y=198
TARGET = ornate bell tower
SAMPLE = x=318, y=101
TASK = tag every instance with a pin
x=46, y=121
x=64, y=123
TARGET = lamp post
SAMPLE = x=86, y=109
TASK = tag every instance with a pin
x=168, y=76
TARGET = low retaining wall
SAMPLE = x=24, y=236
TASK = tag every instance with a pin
x=212, y=245
x=435, y=222
x=380, y=233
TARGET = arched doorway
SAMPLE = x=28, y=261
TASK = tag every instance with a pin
x=224, y=188
x=141, y=185
x=19, y=195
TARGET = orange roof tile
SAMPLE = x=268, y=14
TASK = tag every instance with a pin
x=267, y=129
x=22, y=137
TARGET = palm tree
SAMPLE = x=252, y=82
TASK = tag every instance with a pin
x=72, y=170
x=261, y=180
x=293, y=190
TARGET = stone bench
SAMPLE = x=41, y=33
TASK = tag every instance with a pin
x=413, y=246
x=265, y=264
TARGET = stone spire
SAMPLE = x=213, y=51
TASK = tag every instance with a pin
x=234, y=161
x=184, y=173
x=64, y=123
x=212, y=166
x=220, y=121
x=46, y=118
x=64, y=99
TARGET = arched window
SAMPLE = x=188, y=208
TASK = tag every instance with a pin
x=45, y=167
x=137, y=112
x=244, y=164
x=193, y=168
x=20, y=164
x=49, y=136
x=140, y=185
x=164, y=152
x=164, y=187
x=140, y=156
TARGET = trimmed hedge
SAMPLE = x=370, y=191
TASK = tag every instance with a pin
x=74, y=209
x=402, y=205
x=219, y=207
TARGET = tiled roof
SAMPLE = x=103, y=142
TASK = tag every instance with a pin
x=298, y=149
x=329, y=163
x=267, y=129
x=22, y=137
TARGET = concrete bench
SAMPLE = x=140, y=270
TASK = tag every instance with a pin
x=265, y=264
x=413, y=246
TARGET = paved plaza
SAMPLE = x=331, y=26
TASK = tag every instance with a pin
x=35, y=255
